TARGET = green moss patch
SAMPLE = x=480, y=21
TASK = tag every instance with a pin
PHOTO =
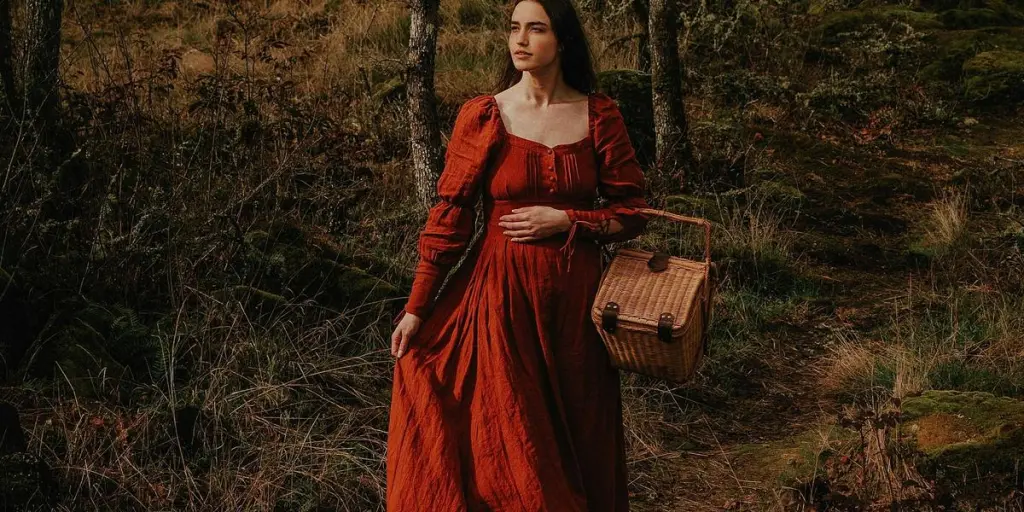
x=970, y=437
x=995, y=75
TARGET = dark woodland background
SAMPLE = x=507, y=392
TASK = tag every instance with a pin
x=208, y=215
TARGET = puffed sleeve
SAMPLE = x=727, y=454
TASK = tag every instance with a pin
x=620, y=179
x=449, y=225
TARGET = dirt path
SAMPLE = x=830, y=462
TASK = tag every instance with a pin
x=853, y=238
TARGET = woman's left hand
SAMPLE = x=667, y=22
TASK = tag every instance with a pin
x=534, y=223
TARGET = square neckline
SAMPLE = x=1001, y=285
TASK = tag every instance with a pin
x=530, y=143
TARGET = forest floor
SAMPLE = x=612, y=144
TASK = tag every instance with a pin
x=853, y=241
x=269, y=327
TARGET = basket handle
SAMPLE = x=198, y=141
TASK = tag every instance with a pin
x=686, y=220
x=707, y=258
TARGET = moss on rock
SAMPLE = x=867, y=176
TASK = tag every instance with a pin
x=952, y=48
x=995, y=75
x=631, y=91
x=959, y=19
x=792, y=459
x=848, y=21
x=967, y=436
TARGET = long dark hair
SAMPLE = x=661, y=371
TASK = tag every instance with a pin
x=577, y=61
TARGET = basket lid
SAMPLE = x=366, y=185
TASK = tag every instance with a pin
x=643, y=295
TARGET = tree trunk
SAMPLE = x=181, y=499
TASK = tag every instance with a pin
x=641, y=15
x=8, y=96
x=427, y=158
x=673, y=151
x=43, y=59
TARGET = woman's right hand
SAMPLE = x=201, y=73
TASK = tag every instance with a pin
x=404, y=331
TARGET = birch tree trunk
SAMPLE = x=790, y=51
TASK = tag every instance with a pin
x=427, y=158
x=672, y=148
x=8, y=96
x=43, y=59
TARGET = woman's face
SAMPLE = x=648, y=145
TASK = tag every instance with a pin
x=531, y=40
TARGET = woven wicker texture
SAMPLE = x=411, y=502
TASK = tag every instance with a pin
x=682, y=289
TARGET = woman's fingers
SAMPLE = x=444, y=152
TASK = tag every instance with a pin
x=396, y=336
x=519, y=233
x=404, y=344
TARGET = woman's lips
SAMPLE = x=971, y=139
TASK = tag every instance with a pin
x=522, y=54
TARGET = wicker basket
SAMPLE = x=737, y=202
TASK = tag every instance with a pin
x=652, y=310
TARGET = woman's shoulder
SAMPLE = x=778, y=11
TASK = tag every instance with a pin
x=603, y=104
x=479, y=103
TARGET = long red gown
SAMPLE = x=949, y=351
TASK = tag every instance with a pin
x=505, y=400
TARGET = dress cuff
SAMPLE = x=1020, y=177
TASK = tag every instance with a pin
x=426, y=283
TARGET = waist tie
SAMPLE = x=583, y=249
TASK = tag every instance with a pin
x=496, y=208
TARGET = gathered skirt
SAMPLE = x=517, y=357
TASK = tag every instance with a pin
x=505, y=399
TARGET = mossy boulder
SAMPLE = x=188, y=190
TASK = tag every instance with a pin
x=631, y=91
x=90, y=346
x=26, y=483
x=952, y=48
x=291, y=263
x=848, y=21
x=790, y=460
x=967, y=436
x=995, y=75
x=776, y=192
x=977, y=18
x=252, y=299
x=77, y=355
x=945, y=5
x=393, y=90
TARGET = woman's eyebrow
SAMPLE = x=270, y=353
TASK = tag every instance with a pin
x=528, y=23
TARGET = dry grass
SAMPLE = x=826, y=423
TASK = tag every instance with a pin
x=293, y=406
x=948, y=222
x=286, y=420
x=961, y=339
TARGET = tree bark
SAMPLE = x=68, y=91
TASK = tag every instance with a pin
x=43, y=56
x=8, y=96
x=672, y=148
x=427, y=158
x=642, y=15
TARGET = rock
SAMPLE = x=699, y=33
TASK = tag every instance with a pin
x=848, y=21
x=254, y=300
x=789, y=460
x=26, y=483
x=966, y=436
x=631, y=91
x=289, y=263
x=995, y=75
x=977, y=18
x=952, y=48
x=195, y=62
x=779, y=193
x=12, y=438
x=391, y=91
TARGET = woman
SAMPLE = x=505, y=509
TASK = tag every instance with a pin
x=503, y=397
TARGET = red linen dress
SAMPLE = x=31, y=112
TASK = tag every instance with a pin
x=505, y=400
